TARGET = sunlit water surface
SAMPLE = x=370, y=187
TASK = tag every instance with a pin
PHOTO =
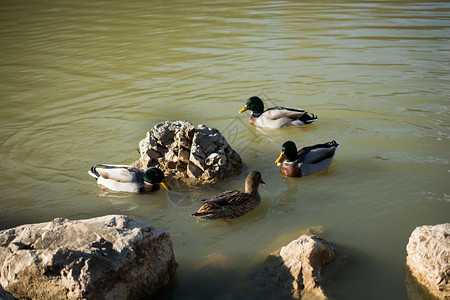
x=83, y=81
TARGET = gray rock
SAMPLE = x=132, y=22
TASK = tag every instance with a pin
x=187, y=154
x=296, y=270
x=183, y=155
x=429, y=258
x=197, y=160
x=152, y=154
x=110, y=257
x=193, y=171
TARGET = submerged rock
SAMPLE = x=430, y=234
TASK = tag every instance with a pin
x=110, y=257
x=188, y=154
x=429, y=258
x=296, y=270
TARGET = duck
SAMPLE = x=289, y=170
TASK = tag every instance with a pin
x=276, y=117
x=232, y=204
x=123, y=178
x=306, y=160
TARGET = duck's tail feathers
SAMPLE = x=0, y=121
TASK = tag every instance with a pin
x=94, y=173
x=197, y=215
x=308, y=118
x=334, y=143
x=202, y=215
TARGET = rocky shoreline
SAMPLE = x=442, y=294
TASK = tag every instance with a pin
x=116, y=257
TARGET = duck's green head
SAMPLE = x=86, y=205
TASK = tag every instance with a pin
x=254, y=104
x=154, y=175
x=288, y=152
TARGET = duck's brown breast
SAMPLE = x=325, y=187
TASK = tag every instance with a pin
x=291, y=170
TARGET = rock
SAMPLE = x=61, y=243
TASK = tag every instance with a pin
x=296, y=270
x=415, y=290
x=187, y=154
x=429, y=258
x=183, y=155
x=110, y=257
x=193, y=171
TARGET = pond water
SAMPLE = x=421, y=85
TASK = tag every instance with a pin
x=82, y=83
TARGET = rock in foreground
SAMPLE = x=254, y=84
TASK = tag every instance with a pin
x=297, y=269
x=429, y=258
x=191, y=155
x=110, y=257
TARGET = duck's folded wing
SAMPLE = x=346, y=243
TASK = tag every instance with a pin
x=283, y=112
x=120, y=173
x=317, y=153
x=223, y=199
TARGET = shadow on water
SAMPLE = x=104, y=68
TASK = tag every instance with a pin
x=271, y=280
x=260, y=283
x=268, y=279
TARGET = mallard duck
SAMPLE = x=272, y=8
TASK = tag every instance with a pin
x=123, y=178
x=306, y=160
x=232, y=204
x=276, y=117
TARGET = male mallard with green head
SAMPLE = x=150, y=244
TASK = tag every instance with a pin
x=306, y=160
x=276, y=117
x=232, y=204
x=123, y=178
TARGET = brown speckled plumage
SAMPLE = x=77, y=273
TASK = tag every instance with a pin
x=232, y=204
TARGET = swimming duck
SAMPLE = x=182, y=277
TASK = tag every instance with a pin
x=232, y=204
x=276, y=117
x=123, y=178
x=306, y=160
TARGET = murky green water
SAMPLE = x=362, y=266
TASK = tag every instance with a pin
x=82, y=83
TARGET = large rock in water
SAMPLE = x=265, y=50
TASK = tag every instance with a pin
x=110, y=257
x=296, y=270
x=429, y=258
x=188, y=154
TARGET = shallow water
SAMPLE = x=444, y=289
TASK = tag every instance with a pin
x=83, y=82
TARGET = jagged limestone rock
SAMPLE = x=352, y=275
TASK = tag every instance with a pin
x=429, y=258
x=188, y=154
x=110, y=257
x=296, y=270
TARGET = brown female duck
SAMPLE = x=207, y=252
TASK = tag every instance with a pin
x=232, y=204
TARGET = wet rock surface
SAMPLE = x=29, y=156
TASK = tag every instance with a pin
x=110, y=257
x=187, y=154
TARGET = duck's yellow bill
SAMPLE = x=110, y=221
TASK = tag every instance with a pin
x=165, y=185
x=281, y=158
x=243, y=109
x=263, y=183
